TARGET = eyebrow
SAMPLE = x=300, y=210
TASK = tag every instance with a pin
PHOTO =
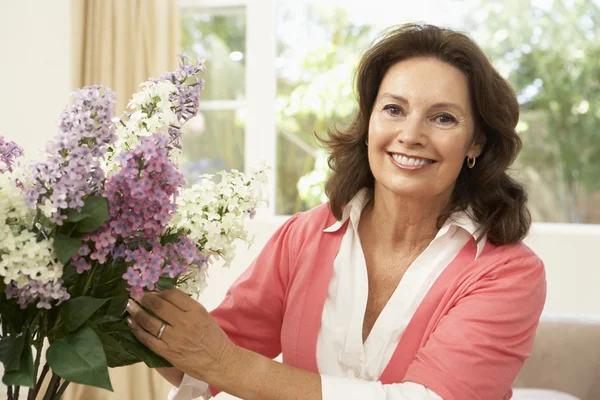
x=440, y=105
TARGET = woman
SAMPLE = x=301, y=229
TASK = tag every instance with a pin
x=412, y=283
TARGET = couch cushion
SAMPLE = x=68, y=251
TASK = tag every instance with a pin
x=541, y=394
x=565, y=357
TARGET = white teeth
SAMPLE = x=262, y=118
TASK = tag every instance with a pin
x=409, y=161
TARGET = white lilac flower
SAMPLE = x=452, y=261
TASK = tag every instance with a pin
x=28, y=266
x=195, y=281
x=213, y=214
x=162, y=105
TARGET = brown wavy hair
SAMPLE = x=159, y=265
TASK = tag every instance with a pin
x=497, y=202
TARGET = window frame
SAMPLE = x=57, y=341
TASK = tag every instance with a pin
x=260, y=135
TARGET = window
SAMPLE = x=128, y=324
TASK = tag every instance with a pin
x=214, y=140
x=235, y=128
x=546, y=49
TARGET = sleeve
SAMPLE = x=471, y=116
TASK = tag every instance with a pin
x=334, y=388
x=479, y=346
x=190, y=388
x=252, y=312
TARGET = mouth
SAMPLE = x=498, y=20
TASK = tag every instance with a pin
x=410, y=162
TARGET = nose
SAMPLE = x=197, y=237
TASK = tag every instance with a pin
x=410, y=133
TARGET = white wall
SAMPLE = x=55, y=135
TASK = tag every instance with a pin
x=570, y=253
x=35, y=69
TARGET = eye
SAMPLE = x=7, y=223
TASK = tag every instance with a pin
x=445, y=119
x=392, y=109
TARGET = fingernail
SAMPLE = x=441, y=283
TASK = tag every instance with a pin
x=129, y=322
x=129, y=303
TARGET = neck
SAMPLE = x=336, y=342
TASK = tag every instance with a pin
x=403, y=223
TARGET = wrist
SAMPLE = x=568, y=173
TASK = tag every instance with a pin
x=227, y=367
x=238, y=372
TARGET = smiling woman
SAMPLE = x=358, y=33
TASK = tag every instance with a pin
x=412, y=282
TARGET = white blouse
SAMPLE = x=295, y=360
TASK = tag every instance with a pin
x=350, y=368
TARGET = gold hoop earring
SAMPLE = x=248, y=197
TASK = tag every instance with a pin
x=471, y=161
x=367, y=141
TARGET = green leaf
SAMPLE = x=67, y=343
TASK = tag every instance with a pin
x=75, y=312
x=76, y=216
x=115, y=311
x=13, y=362
x=117, y=306
x=96, y=209
x=70, y=275
x=172, y=238
x=130, y=342
x=8, y=346
x=165, y=282
x=116, y=354
x=65, y=247
x=119, y=286
x=79, y=357
x=23, y=376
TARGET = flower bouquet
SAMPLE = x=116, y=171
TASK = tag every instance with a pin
x=105, y=215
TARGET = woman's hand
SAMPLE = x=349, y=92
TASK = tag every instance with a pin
x=191, y=340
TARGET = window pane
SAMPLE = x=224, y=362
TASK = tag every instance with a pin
x=219, y=36
x=317, y=49
x=213, y=141
x=547, y=50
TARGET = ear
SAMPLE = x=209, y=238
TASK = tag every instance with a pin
x=476, y=148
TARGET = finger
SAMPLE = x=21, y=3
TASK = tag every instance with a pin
x=161, y=307
x=154, y=344
x=144, y=320
x=179, y=299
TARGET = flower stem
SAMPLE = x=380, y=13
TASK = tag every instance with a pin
x=33, y=393
x=51, y=391
x=38, y=356
x=89, y=281
x=62, y=389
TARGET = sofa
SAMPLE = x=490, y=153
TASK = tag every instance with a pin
x=565, y=361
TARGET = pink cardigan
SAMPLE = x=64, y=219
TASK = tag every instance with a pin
x=467, y=340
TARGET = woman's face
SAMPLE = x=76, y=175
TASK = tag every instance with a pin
x=421, y=129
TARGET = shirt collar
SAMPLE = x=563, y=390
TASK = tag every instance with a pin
x=463, y=220
x=354, y=208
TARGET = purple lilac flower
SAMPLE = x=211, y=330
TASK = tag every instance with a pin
x=140, y=194
x=34, y=291
x=80, y=264
x=187, y=95
x=141, y=199
x=72, y=167
x=9, y=151
x=119, y=252
x=172, y=259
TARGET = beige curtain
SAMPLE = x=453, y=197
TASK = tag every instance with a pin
x=120, y=44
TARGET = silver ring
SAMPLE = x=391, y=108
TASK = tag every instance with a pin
x=161, y=330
